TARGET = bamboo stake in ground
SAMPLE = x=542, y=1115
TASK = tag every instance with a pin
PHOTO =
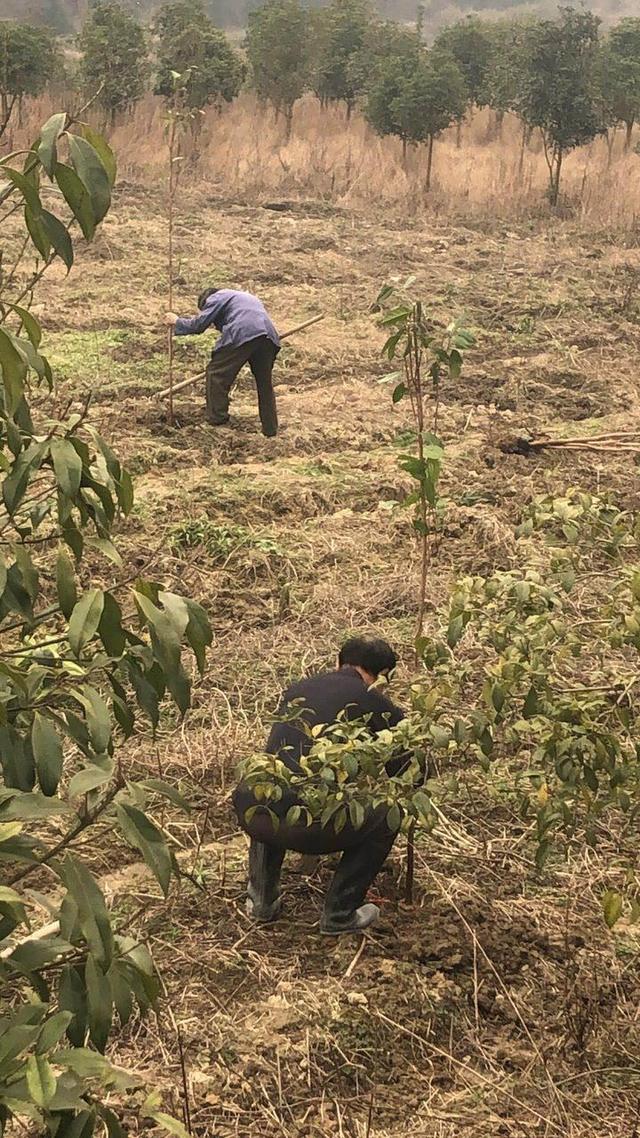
x=172, y=193
x=168, y=391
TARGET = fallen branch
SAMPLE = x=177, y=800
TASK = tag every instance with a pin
x=612, y=442
x=201, y=374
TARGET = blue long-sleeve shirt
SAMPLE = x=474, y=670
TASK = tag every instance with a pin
x=239, y=316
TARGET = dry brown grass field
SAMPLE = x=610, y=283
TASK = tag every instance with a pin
x=498, y=1005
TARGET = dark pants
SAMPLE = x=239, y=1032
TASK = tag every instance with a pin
x=364, y=852
x=222, y=373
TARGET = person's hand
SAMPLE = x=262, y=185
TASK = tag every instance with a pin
x=170, y=319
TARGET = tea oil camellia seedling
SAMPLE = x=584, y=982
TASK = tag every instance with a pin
x=84, y=667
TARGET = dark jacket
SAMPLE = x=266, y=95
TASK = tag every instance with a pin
x=323, y=697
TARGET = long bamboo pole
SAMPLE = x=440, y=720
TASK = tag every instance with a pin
x=194, y=378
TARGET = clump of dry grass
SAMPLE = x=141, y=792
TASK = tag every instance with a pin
x=242, y=152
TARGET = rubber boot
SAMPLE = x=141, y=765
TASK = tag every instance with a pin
x=263, y=890
x=363, y=917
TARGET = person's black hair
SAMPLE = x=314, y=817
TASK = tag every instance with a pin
x=375, y=656
x=204, y=296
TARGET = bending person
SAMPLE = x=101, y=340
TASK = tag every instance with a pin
x=323, y=698
x=248, y=336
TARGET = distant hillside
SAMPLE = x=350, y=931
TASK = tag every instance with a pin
x=66, y=15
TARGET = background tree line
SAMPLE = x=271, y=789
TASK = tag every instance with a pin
x=560, y=75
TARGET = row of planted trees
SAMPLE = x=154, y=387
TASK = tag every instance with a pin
x=560, y=76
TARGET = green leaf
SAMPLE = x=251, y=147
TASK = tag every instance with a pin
x=47, y=751
x=611, y=907
x=93, y=915
x=92, y=173
x=498, y=697
x=65, y=582
x=125, y=492
x=27, y=186
x=198, y=632
x=112, y=1122
x=103, y=150
x=72, y=997
x=41, y=1081
x=81, y=1125
x=59, y=237
x=37, y=232
x=88, y=779
x=530, y=704
x=110, y=627
x=85, y=619
x=78, y=199
x=36, y=954
x=455, y=630
x=98, y=717
x=99, y=1003
x=159, y=786
x=121, y=992
x=439, y=736
x=145, y=836
x=356, y=814
x=166, y=647
x=14, y=372
x=67, y=466
x=52, y=1031
x=399, y=393
x=49, y=136
x=29, y=323
x=394, y=818
x=171, y=1125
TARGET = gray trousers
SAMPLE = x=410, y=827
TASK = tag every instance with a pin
x=364, y=852
x=222, y=373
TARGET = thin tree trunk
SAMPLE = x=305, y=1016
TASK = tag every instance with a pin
x=499, y=123
x=289, y=122
x=6, y=110
x=611, y=140
x=555, y=179
x=429, y=162
x=629, y=134
x=524, y=142
x=459, y=134
x=404, y=154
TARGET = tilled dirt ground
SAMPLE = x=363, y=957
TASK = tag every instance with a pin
x=497, y=1004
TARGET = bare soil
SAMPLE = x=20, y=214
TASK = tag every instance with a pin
x=498, y=1004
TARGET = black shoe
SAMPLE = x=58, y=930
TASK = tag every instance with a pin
x=263, y=914
x=363, y=917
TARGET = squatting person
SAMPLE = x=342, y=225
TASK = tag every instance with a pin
x=248, y=336
x=322, y=698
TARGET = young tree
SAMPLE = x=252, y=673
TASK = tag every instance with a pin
x=620, y=75
x=558, y=89
x=384, y=41
x=342, y=31
x=417, y=99
x=114, y=56
x=279, y=49
x=29, y=59
x=499, y=90
x=189, y=45
x=84, y=657
x=469, y=43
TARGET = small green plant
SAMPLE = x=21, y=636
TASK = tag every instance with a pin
x=429, y=355
x=219, y=541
